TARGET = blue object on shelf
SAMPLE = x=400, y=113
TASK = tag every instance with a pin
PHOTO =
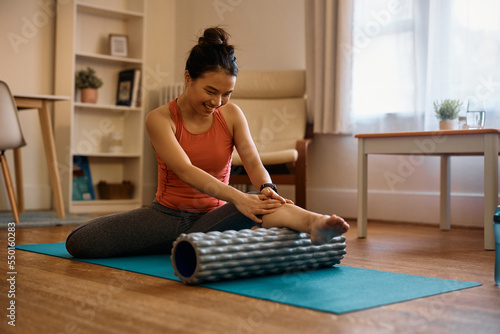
x=83, y=189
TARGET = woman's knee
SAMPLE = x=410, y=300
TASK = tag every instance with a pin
x=74, y=242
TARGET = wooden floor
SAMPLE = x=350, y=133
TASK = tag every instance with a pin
x=59, y=296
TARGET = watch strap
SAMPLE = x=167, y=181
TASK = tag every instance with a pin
x=270, y=185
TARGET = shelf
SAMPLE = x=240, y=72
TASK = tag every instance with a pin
x=106, y=58
x=107, y=12
x=105, y=201
x=107, y=107
x=105, y=205
x=110, y=155
x=86, y=128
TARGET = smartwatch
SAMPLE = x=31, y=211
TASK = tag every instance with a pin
x=270, y=185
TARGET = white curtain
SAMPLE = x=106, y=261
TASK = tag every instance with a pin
x=463, y=59
x=388, y=73
x=328, y=65
x=379, y=65
x=409, y=53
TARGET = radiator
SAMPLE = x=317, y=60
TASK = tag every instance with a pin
x=170, y=92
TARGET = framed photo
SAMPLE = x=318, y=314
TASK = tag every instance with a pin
x=118, y=45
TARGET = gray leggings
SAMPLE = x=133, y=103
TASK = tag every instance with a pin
x=148, y=230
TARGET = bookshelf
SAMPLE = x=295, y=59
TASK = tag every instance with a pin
x=83, y=129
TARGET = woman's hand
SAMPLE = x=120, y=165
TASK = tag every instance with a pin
x=271, y=194
x=253, y=205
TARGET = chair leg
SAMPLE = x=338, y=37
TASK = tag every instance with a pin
x=10, y=188
x=19, y=179
x=301, y=184
x=301, y=174
x=300, y=194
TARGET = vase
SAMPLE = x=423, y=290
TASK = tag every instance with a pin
x=448, y=125
x=89, y=95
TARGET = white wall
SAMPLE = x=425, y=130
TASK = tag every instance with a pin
x=160, y=55
x=27, y=67
x=268, y=34
x=414, y=197
x=27, y=60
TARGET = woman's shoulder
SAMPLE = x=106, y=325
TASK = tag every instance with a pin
x=231, y=110
x=232, y=114
x=159, y=115
x=161, y=111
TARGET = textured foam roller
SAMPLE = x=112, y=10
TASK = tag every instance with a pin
x=202, y=257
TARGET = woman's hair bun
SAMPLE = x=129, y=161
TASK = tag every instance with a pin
x=212, y=53
x=214, y=37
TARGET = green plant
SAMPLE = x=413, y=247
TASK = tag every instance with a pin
x=86, y=78
x=447, y=109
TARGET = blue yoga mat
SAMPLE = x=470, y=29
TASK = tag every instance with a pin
x=338, y=290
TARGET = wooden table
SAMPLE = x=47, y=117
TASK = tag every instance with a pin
x=440, y=143
x=41, y=102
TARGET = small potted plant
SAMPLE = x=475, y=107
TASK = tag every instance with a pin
x=447, y=113
x=88, y=83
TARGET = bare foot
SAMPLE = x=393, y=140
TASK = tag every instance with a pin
x=325, y=228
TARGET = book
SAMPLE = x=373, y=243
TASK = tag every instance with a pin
x=128, y=87
x=136, y=89
x=83, y=189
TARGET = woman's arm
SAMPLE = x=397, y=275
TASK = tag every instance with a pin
x=162, y=137
x=248, y=152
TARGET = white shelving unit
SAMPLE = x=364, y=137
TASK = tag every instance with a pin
x=82, y=129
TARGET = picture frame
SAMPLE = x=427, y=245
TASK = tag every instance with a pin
x=118, y=45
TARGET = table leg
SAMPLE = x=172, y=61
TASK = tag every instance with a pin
x=50, y=154
x=19, y=179
x=362, y=190
x=490, y=187
x=444, y=207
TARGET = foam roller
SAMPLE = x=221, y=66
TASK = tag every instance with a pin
x=203, y=257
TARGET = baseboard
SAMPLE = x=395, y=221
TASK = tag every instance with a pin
x=416, y=207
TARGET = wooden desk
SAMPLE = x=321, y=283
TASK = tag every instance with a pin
x=484, y=142
x=40, y=102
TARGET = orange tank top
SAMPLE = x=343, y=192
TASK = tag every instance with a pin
x=211, y=151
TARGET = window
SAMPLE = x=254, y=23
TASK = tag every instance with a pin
x=384, y=57
x=407, y=54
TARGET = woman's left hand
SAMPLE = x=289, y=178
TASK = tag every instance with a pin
x=271, y=194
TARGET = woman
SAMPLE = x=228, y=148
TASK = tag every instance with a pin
x=193, y=137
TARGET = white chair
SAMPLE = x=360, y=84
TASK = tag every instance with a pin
x=11, y=137
x=274, y=104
